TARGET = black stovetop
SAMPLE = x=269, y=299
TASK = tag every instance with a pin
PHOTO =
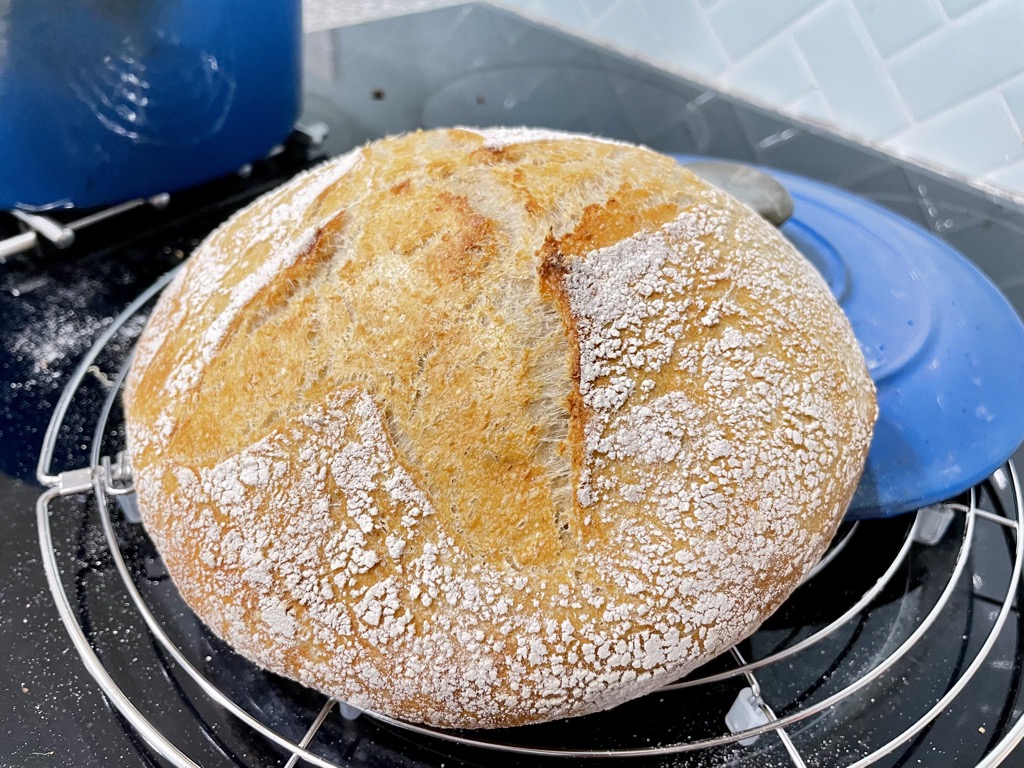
x=450, y=66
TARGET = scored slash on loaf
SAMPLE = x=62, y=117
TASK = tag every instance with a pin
x=481, y=428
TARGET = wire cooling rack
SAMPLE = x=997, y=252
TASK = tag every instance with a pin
x=856, y=669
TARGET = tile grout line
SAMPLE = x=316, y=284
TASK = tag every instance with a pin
x=786, y=35
x=663, y=61
x=947, y=25
x=719, y=46
x=863, y=37
x=942, y=10
x=970, y=11
x=593, y=21
x=707, y=81
x=943, y=24
x=788, y=28
x=663, y=47
x=1017, y=127
x=862, y=31
x=994, y=87
x=743, y=89
x=944, y=114
x=1017, y=190
x=814, y=78
x=953, y=165
x=883, y=65
x=725, y=71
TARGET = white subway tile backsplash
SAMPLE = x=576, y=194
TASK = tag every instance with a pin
x=775, y=73
x=689, y=43
x=1013, y=93
x=852, y=79
x=742, y=25
x=942, y=80
x=957, y=7
x=894, y=25
x=631, y=27
x=596, y=8
x=1009, y=177
x=954, y=139
x=812, y=107
x=566, y=13
x=962, y=59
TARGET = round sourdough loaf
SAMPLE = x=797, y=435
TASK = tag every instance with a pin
x=481, y=428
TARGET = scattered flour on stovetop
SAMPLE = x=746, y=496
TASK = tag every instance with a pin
x=57, y=332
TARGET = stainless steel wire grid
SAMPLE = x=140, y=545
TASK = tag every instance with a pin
x=849, y=677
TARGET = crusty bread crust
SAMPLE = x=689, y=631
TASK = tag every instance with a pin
x=485, y=428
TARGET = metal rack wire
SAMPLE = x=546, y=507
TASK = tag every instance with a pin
x=755, y=715
x=35, y=229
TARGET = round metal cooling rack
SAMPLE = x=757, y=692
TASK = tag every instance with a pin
x=823, y=682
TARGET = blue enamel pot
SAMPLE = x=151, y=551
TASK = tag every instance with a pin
x=106, y=100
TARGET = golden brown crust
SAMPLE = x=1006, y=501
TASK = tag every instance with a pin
x=487, y=428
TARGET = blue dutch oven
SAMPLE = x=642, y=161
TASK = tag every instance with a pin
x=107, y=100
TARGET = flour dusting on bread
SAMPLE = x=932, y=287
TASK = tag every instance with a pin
x=497, y=138
x=487, y=428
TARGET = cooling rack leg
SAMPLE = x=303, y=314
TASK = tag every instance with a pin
x=753, y=710
x=153, y=737
x=324, y=712
x=784, y=738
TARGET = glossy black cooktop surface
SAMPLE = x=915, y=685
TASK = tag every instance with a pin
x=460, y=65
